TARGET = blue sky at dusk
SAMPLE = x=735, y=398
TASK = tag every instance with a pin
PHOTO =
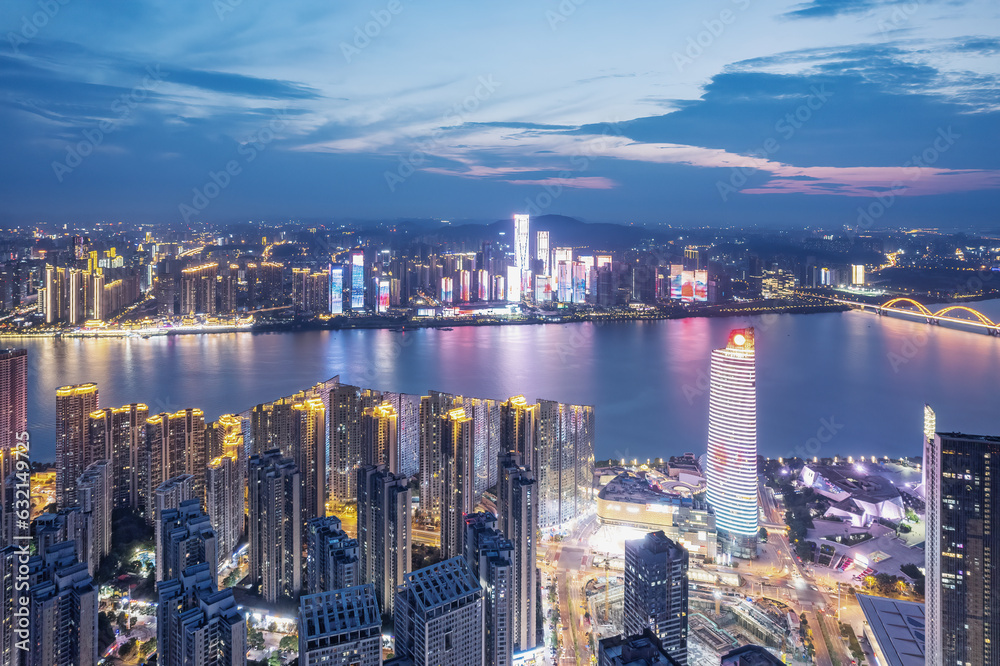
x=726, y=112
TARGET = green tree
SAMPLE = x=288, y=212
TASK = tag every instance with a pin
x=289, y=643
x=128, y=649
x=255, y=638
x=148, y=647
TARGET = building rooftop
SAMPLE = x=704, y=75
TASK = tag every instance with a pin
x=639, y=650
x=898, y=627
x=442, y=583
x=339, y=611
x=642, y=488
x=750, y=655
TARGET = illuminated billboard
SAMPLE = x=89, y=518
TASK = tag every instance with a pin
x=513, y=284
x=447, y=292
x=357, y=280
x=336, y=289
x=694, y=286
x=383, y=295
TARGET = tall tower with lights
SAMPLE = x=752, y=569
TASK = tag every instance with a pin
x=522, y=260
x=732, y=444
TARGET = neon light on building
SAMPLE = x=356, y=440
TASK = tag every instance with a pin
x=357, y=280
x=542, y=251
x=513, y=284
x=732, y=444
x=336, y=289
x=383, y=295
x=521, y=258
x=447, y=290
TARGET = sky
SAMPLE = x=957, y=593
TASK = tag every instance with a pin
x=821, y=113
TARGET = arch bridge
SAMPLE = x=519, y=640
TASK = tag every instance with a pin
x=959, y=314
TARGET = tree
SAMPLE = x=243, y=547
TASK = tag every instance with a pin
x=255, y=638
x=128, y=649
x=762, y=535
x=148, y=646
x=288, y=643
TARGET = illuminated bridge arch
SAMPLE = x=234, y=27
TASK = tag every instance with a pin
x=920, y=307
x=983, y=319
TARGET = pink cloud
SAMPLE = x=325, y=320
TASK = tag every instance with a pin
x=583, y=182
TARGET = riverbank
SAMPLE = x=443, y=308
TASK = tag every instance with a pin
x=405, y=323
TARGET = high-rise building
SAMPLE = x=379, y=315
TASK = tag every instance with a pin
x=13, y=405
x=486, y=416
x=407, y=408
x=74, y=405
x=490, y=555
x=93, y=493
x=517, y=514
x=438, y=616
x=518, y=426
x=62, y=606
x=196, y=623
x=642, y=650
x=276, y=522
x=433, y=407
x=380, y=436
x=198, y=289
x=332, y=558
x=459, y=474
x=225, y=484
x=522, y=260
x=118, y=435
x=340, y=627
x=563, y=462
x=756, y=655
x=542, y=251
x=309, y=453
x=347, y=408
x=175, y=444
x=184, y=538
x=357, y=281
x=962, y=508
x=656, y=591
x=384, y=531
x=732, y=444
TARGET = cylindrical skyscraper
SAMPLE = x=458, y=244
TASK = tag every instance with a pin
x=732, y=444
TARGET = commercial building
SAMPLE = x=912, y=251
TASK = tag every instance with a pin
x=74, y=405
x=340, y=627
x=858, y=497
x=962, y=508
x=384, y=531
x=438, y=616
x=732, y=444
x=196, y=623
x=276, y=522
x=643, y=649
x=517, y=517
x=896, y=630
x=332, y=556
x=630, y=500
x=656, y=592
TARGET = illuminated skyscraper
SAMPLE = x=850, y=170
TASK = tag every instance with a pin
x=563, y=461
x=276, y=523
x=407, y=408
x=74, y=405
x=175, y=444
x=347, y=407
x=13, y=404
x=184, y=538
x=521, y=258
x=459, y=472
x=656, y=592
x=513, y=284
x=432, y=408
x=384, y=534
x=308, y=451
x=542, y=251
x=93, y=490
x=732, y=444
x=336, y=289
x=517, y=514
x=962, y=538
x=380, y=437
x=117, y=435
x=225, y=485
x=490, y=555
x=357, y=281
